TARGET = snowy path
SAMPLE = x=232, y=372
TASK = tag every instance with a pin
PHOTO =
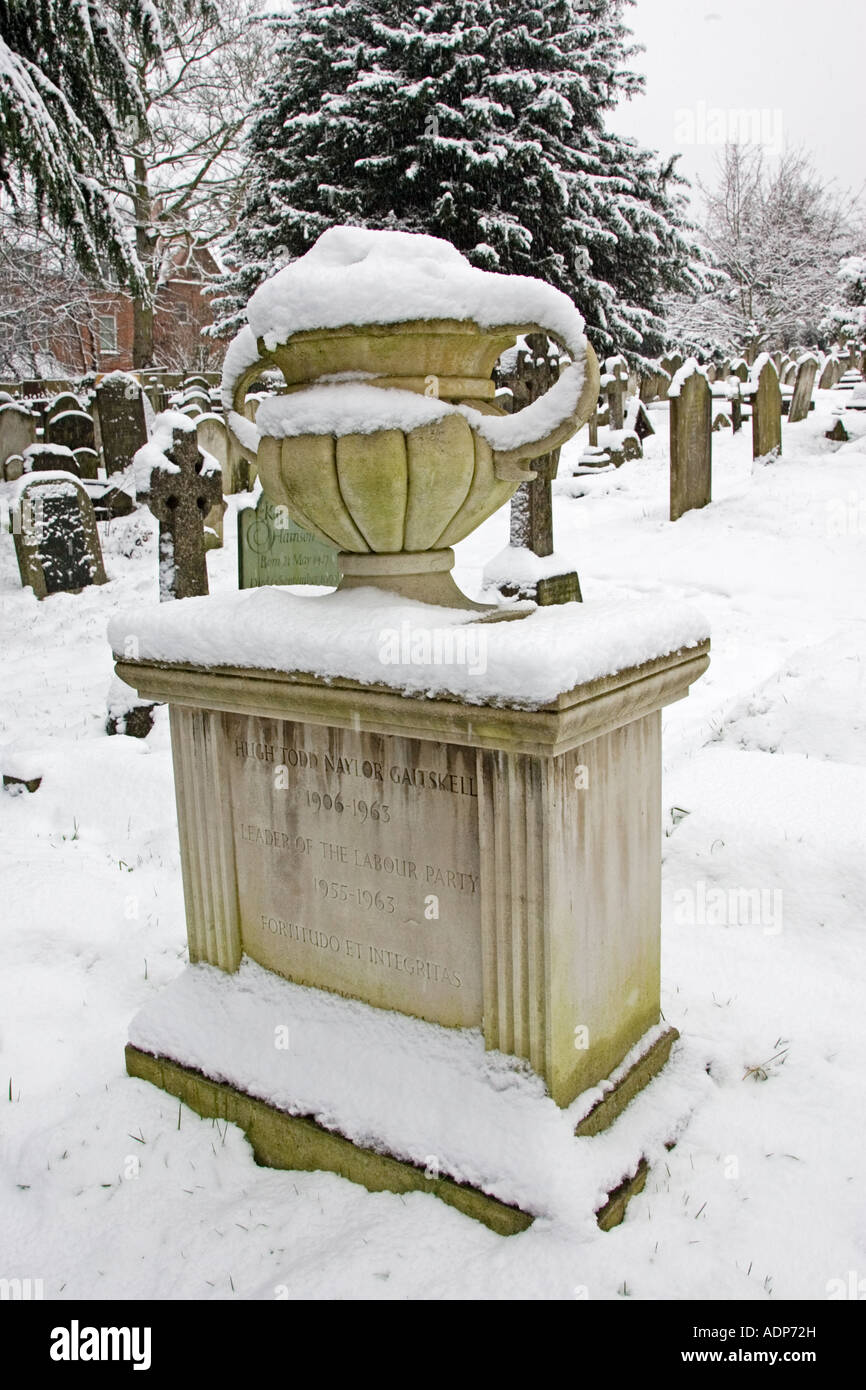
x=109, y=1191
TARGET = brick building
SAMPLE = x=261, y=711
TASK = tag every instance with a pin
x=101, y=340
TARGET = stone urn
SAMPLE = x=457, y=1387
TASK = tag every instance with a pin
x=386, y=442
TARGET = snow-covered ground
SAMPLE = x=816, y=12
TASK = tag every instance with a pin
x=109, y=1189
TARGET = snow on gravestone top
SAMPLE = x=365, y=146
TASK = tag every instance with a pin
x=355, y=276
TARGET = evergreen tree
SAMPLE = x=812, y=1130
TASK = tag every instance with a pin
x=481, y=121
x=64, y=82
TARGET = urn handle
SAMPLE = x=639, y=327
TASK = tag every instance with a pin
x=513, y=464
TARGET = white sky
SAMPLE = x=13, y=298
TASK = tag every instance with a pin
x=800, y=63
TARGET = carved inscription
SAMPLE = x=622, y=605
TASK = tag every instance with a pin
x=358, y=864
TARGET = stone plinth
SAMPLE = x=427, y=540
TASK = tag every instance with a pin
x=472, y=865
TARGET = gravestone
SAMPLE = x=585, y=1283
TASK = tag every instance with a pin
x=802, y=398
x=691, y=444
x=56, y=540
x=12, y=469
x=649, y=387
x=637, y=419
x=740, y=369
x=111, y=497
x=215, y=439
x=66, y=400
x=17, y=431
x=50, y=458
x=73, y=429
x=273, y=549
x=721, y=422
x=830, y=374
x=788, y=374
x=838, y=434
x=181, y=494
x=88, y=463
x=122, y=425
x=766, y=410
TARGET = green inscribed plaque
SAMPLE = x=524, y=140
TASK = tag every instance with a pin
x=273, y=549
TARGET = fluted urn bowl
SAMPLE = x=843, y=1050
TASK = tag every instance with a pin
x=387, y=444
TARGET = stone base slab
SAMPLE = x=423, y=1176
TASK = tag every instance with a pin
x=298, y=1143
x=626, y=1086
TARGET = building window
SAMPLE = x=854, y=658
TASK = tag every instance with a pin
x=107, y=332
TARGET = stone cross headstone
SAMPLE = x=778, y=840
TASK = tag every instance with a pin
x=180, y=495
x=805, y=381
x=122, y=425
x=273, y=549
x=17, y=431
x=766, y=410
x=56, y=540
x=691, y=441
x=616, y=389
x=157, y=395
x=531, y=527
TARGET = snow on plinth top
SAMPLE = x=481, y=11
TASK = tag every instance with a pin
x=353, y=275
x=378, y=638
